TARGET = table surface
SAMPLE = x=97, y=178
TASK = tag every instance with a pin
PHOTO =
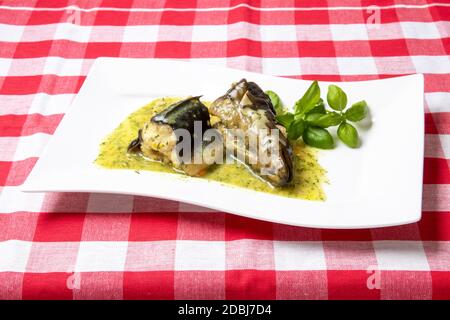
x=80, y=246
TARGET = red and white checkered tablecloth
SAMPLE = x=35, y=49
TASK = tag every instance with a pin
x=78, y=246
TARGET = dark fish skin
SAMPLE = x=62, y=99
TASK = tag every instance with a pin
x=183, y=114
x=179, y=115
x=135, y=145
x=158, y=138
x=245, y=106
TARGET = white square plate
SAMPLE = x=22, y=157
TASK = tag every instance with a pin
x=379, y=184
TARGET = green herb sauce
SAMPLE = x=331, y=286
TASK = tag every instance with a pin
x=306, y=184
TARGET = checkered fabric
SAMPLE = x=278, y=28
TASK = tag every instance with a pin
x=80, y=246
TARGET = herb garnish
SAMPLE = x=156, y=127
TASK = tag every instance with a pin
x=311, y=117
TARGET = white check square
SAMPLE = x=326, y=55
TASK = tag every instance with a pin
x=438, y=101
x=202, y=33
x=342, y=32
x=281, y=67
x=47, y=104
x=52, y=257
x=71, y=31
x=278, y=33
x=401, y=255
x=200, y=255
x=14, y=255
x=445, y=143
x=12, y=199
x=356, y=65
x=63, y=67
x=299, y=255
x=5, y=63
x=420, y=30
x=30, y=146
x=249, y=254
x=431, y=64
x=243, y=30
x=140, y=33
x=11, y=33
x=174, y=33
x=106, y=34
x=150, y=255
x=101, y=256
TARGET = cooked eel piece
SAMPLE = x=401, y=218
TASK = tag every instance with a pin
x=158, y=138
x=245, y=106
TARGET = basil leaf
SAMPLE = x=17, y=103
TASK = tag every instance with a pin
x=348, y=134
x=309, y=99
x=311, y=118
x=357, y=111
x=276, y=102
x=285, y=119
x=318, y=108
x=324, y=120
x=296, y=129
x=337, y=99
x=318, y=138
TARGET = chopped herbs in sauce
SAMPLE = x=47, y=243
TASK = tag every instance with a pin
x=306, y=184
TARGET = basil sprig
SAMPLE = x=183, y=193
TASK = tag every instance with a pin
x=276, y=102
x=311, y=117
x=309, y=99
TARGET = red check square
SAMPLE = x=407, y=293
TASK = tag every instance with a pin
x=201, y=226
x=148, y=285
x=37, y=18
x=173, y=49
x=59, y=226
x=20, y=226
x=199, y=285
x=354, y=284
x=304, y=285
x=305, y=17
x=98, y=285
x=185, y=18
x=153, y=226
x=243, y=14
x=20, y=85
x=237, y=227
x=440, y=285
x=102, y=49
x=116, y=18
x=401, y=285
x=43, y=286
x=11, y=285
x=250, y=284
